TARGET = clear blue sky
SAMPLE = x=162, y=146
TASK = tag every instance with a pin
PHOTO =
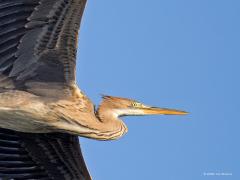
x=168, y=53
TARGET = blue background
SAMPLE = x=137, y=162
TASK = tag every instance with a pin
x=168, y=53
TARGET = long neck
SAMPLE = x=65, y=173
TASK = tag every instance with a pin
x=111, y=126
x=101, y=125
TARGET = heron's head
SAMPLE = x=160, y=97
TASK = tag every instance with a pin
x=128, y=107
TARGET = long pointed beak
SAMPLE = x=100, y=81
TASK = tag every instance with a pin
x=165, y=111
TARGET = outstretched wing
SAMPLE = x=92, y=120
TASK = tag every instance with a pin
x=41, y=156
x=38, y=39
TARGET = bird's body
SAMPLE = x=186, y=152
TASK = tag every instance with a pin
x=38, y=90
x=71, y=111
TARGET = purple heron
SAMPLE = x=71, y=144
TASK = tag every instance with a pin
x=39, y=96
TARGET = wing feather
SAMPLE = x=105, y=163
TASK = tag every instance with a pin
x=53, y=156
x=38, y=39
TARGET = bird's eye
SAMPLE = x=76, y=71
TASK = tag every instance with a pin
x=136, y=104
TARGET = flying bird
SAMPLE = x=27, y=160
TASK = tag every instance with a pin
x=40, y=102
